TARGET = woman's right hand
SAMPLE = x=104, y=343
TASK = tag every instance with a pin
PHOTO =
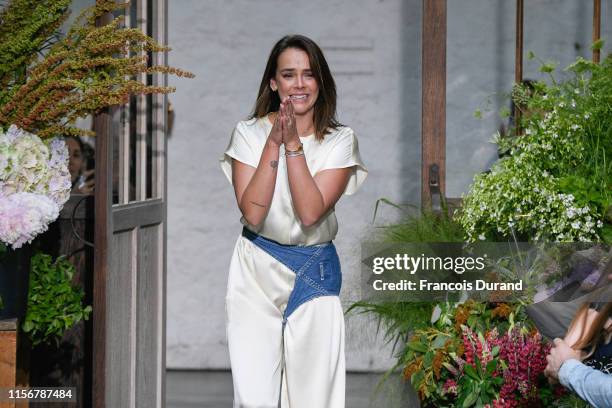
x=276, y=134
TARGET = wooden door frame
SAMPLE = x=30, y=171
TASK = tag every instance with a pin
x=110, y=219
x=433, y=102
x=103, y=232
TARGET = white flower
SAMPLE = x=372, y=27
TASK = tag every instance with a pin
x=576, y=224
x=481, y=237
x=34, y=184
x=25, y=215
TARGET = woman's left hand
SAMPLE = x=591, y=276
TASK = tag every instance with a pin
x=290, y=133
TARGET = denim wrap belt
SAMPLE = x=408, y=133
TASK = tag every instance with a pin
x=316, y=267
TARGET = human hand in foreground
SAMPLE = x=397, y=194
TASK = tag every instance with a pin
x=560, y=353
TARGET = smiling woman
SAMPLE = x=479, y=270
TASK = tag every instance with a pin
x=289, y=165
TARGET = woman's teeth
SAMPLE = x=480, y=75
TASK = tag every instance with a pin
x=298, y=97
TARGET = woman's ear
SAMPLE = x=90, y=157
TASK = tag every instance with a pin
x=273, y=85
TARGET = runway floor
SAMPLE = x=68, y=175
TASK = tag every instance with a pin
x=213, y=389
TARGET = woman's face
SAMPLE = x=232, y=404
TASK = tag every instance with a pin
x=75, y=163
x=295, y=79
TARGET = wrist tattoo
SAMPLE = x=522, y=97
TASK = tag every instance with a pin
x=274, y=164
x=257, y=204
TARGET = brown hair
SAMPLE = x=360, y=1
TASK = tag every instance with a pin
x=325, y=106
x=595, y=334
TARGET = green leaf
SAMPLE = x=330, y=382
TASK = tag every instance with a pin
x=597, y=45
x=548, y=67
x=439, y=341
x=417, y=378
x=491, y=365
x=606, y=233
x=478, y=367
x=27, y=326
x=470, y=399
x=581, y=65
x=530, y=55
x=417, y=346
x=428, y=358
x=471, y=372
x=478, y=114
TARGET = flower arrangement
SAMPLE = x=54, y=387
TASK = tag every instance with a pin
x=34, y=184
x=47, y=82
x=557, y=181
x=462, y=360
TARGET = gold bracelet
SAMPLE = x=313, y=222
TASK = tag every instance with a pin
x=299, y=149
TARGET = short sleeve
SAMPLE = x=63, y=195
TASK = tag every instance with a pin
x=345, y=153
x=239, y=148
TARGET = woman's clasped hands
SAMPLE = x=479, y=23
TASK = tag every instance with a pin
x=284, y=130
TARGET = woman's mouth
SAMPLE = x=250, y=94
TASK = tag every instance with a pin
x=299, y=98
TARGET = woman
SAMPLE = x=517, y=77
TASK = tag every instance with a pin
x=289, y=164
x=82, y=180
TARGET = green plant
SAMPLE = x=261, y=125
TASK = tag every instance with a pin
x=571, y=400
x=421, y=225
x=557, y=181
x=87, y=70
x=399, y=317
x=54, y=302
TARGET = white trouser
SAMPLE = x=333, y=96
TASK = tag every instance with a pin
x=311, y=348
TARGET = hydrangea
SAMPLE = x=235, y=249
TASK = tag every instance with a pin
x=34, y=184
x=25, y=215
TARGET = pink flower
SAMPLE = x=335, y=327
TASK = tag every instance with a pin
x=450, y=387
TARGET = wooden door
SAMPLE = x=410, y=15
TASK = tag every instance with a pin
x=130, y=238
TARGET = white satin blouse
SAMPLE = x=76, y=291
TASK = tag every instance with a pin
x=339, y=149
